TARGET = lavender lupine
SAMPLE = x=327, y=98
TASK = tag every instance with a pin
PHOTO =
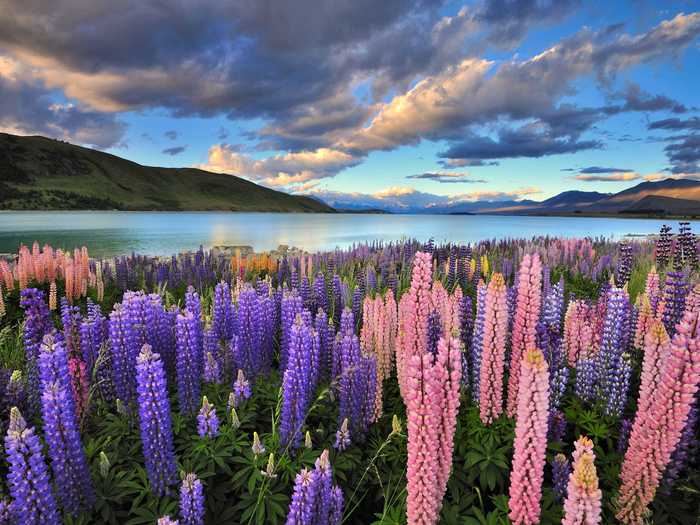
x=223, y=312
x=154, y=421
x=37, y=323
x=586, y=378
x=675, y=291
x=299, y=382
x=561, y=470
x=5, y=510
x=252, y=348
x=28, y=480
x=189, y=361
x=207, y=420
x=241, y=388
x=685, y=451
x=623, y=439
x=292, y=305
x=612, y=361
x=320, y=294
x=191, y=500
x=478, y=340
x=663, y=246
x=315, y=499
x=68, y=461
x=357, y=383
x=326, y=337
x=93, y=334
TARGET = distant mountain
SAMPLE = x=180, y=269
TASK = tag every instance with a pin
x=686, y=189
x=660, y=205
x=573, y=198
x=40, y=173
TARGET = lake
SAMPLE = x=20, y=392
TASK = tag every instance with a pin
x=108, y=233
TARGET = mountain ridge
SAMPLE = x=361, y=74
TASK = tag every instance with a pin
x=42, y=173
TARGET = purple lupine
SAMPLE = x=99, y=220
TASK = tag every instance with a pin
x=663, y=246
x=371, y=279
x=68, y=460
x=557, y=425
x=4, y=511
x=189, y=361
x=342, y=436
x=93, y=334
x=336, y=294
x=155, y=422
x=292, y=305
x=586, y=378
x=28, y=481
x=207, y=420
x=252, y=349
x=675, y=291
x=612, y=361
x=357, y=383
x=223, y=312
x=299, y=382
x=241, y=388
x=315, y=499
x=192, y=500
x=161, y=330
x=357, y=305
x=212, y=370
x=561, y=470
x=624, y=264
x=478, y=341
x=37, y=324
x=167, y=520
x=306, y=294
x=623, y=439
x=320, y=294
x=326, y=337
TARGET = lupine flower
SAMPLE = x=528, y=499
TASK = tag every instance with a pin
x=28, y=477
x=586, y=379
x=685, y=450
x=578, y=332
x=583, y=500
x=342, y=436
x=663, y=246
x=241, y=388
x=189, y=361
x=527, y=313
x=315, y=499
x=495, y=325
x=477, y=342
x=191, y=500
x=292, y=305
x=656, y=433
x=675, y=290
x=623, y=439
x=299, y=382
x=561, y=470
x=68, y=460
x=207, y=420
x=154, y=419
x=557, y=425
x=167, y=520
x=105, y=465
x=269, y=471
x=212, y=370
x=530, y=440
x=252, y=348
x=432, y=403
x=612, y=361
x=223, y=312
x=258, y=447
x=4, y=508
x=308, y=443
x=235, y=422
x=37, y=323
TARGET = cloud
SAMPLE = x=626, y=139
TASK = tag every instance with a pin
x=463, y=163
x=27, y=108
x=174, y=150
x=279, y=170
x=636, y=99
x=446, y=177
x=600, y=169
x=610, y=177
x=676, y=124
x=684, y=153
x=172, y=134
x=222, y=134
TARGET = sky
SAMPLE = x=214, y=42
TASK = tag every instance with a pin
x=397, y=104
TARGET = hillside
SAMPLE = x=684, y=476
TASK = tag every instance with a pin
x=41, y=173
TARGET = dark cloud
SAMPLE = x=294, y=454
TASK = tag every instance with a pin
x=26, y=107
x=222, y=134
x=464, y=163
x=176, y=150
x=684, y=154
x=510, y=20
x=172, y=134
x=447, y=177
x=636, y=99
x=599, y=169
x=676, y=124
x=531, y=140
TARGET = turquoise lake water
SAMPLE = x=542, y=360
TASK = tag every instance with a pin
x=163, y=233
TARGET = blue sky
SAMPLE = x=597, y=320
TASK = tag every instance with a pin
x=407, y=103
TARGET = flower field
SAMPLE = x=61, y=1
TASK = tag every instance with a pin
x=523, y=381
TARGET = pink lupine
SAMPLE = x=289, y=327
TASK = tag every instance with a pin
x=692, y=300
x=583, y=500
x=493, y=350
x=414, y=311
x=527, y=312
x=652, y=289
x=432, y=403
x=645, y=318
x=530, y=440
x=578, y=331
x=656, y=347
x=657, y=431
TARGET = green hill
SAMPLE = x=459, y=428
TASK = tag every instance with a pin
x=37, y=173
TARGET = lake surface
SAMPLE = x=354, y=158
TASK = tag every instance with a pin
x=108, y=233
